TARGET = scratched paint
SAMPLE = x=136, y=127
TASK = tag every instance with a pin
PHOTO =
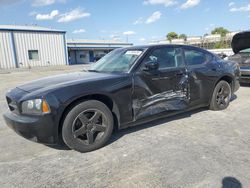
x=166, y=101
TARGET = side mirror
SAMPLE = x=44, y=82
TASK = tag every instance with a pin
x=151, y=65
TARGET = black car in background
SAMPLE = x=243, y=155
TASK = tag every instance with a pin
x=241, y=48
x=129, y=86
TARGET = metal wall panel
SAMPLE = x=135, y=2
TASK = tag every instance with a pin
x=6, y=51
x=50, y=46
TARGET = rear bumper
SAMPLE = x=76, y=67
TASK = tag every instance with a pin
x=35, y=128
x=245, y=75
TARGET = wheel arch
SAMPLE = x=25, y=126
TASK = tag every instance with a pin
x=228, y=78
x=107, y=100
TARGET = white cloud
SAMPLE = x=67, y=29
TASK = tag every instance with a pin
x=142, y=39
x=241, y=9
x=128, y=33
x=10, y=2
x=41, y=3
x=33, y=13
x=77, y=31
x=138, y=21
x=231, y=4
x=115, y=37
x=189, y=4
x=73, y=15
x=154, y=17
x=167, y=3
x=49, y=16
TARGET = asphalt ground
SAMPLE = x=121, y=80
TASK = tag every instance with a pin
x=197, y=149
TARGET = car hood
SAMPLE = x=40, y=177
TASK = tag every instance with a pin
x=64, y=80
x=241, y=41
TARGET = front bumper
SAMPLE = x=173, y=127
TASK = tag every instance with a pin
x=245, y=74
x=35, y=128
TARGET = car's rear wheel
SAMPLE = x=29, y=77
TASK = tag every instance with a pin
x=87, y=126
x=221, y=96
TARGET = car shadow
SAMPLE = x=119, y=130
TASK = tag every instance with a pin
x=120, y=133
x=60, y=146
x=231, y=182
x=234, y=97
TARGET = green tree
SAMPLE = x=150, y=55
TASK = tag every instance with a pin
x=220, y=45
x=172, y=35
x=220, y=30
x=183, y=36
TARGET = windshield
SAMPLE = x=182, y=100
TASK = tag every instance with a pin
x=120, y=60
x=245, y=51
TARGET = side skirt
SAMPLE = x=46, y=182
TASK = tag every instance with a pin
x=160, y=116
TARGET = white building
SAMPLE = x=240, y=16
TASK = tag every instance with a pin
x=86, y=51
x=194, y=40
x=29, y=46
x=178, y=41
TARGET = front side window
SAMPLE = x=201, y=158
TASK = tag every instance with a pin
x=33, y=55
x=194, y=57
x=120, y=60
x=167, y=57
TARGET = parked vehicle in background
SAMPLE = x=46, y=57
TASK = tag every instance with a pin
x=241, y=48
x=99, y=56
x=127, y=87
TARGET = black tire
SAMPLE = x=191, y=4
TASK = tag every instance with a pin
x=88, y=126
x=221, y=96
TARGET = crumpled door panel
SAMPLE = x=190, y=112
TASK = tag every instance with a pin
x=154, y=103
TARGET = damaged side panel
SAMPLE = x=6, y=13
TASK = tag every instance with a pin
x=166, y=95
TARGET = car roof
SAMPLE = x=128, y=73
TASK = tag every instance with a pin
x=144, y=47
x=158, y=45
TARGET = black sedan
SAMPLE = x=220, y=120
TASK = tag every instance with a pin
x=127, y=87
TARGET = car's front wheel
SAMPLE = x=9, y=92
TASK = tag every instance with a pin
x=87, y=126
x=221, y=96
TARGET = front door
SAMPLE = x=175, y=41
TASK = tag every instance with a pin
x=163, y=90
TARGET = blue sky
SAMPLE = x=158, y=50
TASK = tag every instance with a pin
x=141, y=21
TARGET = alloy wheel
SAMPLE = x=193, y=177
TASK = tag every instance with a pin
x=89, y=126
x=223, y=96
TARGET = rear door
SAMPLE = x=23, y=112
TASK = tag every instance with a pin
x=202, y=73
x=162, y=90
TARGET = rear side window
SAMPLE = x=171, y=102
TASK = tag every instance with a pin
x=194, y=57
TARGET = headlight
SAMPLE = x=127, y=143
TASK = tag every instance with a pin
x=35, y=107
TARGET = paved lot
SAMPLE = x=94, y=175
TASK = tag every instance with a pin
x=197, y=149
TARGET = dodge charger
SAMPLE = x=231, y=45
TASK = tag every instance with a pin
x=127, y=87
